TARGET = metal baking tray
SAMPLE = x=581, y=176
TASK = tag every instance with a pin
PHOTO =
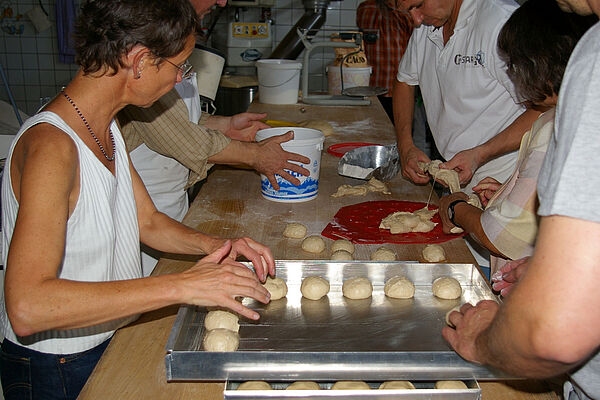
x=335, y=338
x=423, y=390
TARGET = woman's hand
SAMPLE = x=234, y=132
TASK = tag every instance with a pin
x=506, y=277
x=257, y=253
x=486, y=189
x=217, y=280
x=243, y=127
x=445, y=201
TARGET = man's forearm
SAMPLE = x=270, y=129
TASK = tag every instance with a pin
x=404, y=106
x=509, y=139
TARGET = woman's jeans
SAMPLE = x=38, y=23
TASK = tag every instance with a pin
x=32, y=375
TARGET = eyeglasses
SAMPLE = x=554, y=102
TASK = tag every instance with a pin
x=186, y=68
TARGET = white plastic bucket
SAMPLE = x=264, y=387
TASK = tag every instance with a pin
x=307, y=142
x=353, y=76
x=278, y=81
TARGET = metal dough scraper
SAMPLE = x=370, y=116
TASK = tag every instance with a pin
x=381, y=162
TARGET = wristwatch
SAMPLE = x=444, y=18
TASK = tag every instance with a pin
x=451, y=213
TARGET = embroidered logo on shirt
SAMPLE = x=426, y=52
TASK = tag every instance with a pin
x=473, y=60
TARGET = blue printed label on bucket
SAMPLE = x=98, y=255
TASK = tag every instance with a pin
x=288, y=192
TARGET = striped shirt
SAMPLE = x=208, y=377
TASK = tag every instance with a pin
x=102, y=237
x=384, y=55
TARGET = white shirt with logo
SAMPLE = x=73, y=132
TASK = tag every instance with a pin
x=467, y=94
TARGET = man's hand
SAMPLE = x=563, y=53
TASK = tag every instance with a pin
x=469, y=323
x=272, y=159
x=465, y=163
x=486, y=189
x=243, y=127
x=409, y=159
x=505, y=278
x=445, y=201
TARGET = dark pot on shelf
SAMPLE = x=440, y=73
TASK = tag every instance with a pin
x=231, y=101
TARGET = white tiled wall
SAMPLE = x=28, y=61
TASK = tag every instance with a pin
x=30, y=59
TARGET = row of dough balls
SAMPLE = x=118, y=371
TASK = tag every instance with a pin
x=398, y=287
x=222, y=329
x=344, y=249
x=349, y=385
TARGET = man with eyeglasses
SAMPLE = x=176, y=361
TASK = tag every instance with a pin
x=172, y=144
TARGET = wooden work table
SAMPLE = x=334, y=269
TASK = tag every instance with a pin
x=229, y=204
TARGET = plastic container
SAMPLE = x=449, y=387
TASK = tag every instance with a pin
x=353, y=76
x=278, y=81
x=307, y=142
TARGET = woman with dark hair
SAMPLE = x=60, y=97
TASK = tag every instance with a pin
x=74, y=210
x=535, y=42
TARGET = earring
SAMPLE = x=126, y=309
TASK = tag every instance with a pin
x=139, y=75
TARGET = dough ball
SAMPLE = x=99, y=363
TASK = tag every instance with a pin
x=457, y=308
x=350, y=385
x=357, y=288
x=450, y=385
x=255, y=385
x=318, y=124
x=314, y=287
x=446, y=288
x=434, y=253
x=399, y=287
x=277, y=288
x=313, y=244
x=303, y=385
x=396, y=385
x=294, y=230
x=341, y=255
x=342, y=244
x=383, y=254
x=221, y=340
x=221, y=320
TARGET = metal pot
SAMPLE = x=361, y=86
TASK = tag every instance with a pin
x=231, y=101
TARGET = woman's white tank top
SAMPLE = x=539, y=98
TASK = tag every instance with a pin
x=102, y=236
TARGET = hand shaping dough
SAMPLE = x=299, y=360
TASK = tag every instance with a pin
x=303, y=385
x=350, y=385
x=342, y=244
x=434, y=253
x=221, y=320
x=357, y=288
x=313, y=244
x=446, y=288
x=318, y=124
x=314, y=287
x=404, y=221
x=277, y=287
x=221, y=340
x=294, y=230
x=373, y=185
x=448, y=176
x=450, y=385
x=399, y=287
x=255, y=385
x=396, y=385
x=457, y=308
x=383, y=254
x=341, y=255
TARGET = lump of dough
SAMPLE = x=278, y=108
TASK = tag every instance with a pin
x=457, y=308
x=357, y=288
x=313, y=244
x=341, y=255
x=405, y=222
x=434, y=253
x=342, y=244
x=303, y=385
x=448, y=176
x=450, y=385
x=318, y=124
x=255, y=385
x=314, y=287
x=221, y=340
x=349, y=190
x=446, y=288
x=396, y=385
x=399, y=287
x=276, y=287
x=375, y=185
x=220, y=319
x=350, y=385
x=294, y=230
x=383, y=254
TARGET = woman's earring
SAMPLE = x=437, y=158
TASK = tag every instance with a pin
x=138, y=75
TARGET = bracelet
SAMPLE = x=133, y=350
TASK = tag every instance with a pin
x=451, y=213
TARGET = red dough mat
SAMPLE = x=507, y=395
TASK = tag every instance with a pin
x=359, y=223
